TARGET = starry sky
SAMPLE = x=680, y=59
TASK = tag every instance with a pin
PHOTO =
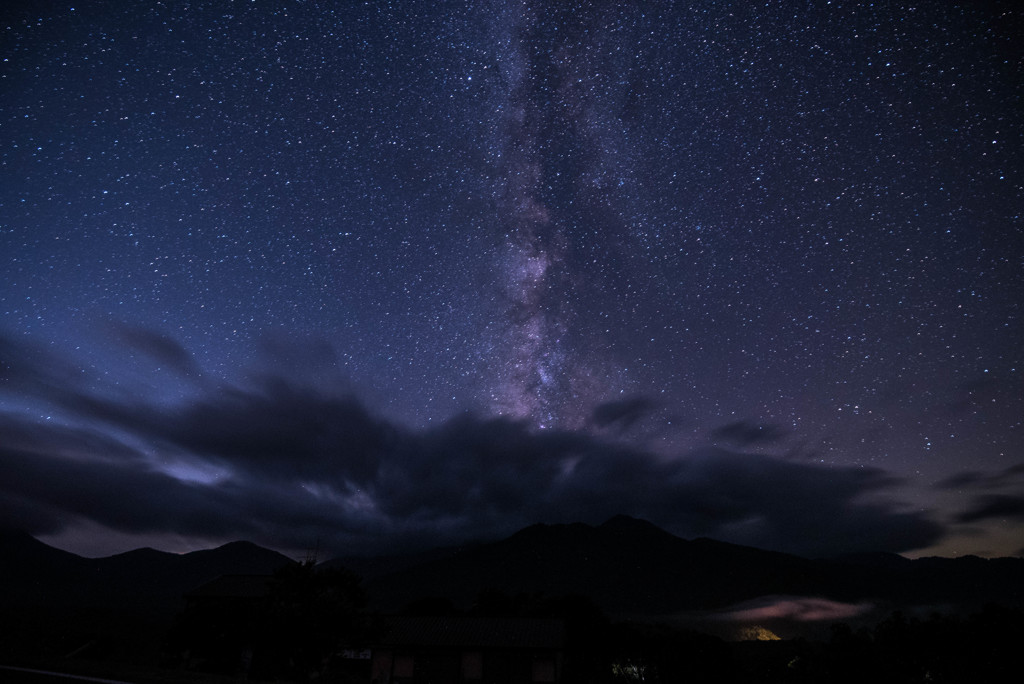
x=380, y=276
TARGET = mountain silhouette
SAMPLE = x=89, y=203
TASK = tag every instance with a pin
x=627, y=567
x=37, y=575
x=632, y=568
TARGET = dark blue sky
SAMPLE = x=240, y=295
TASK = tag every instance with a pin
x=396, y=274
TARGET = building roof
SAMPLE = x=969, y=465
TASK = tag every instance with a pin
x=479, y=632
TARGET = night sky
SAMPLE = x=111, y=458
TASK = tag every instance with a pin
x=380, y=276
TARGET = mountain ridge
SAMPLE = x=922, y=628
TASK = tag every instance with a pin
x=34, y=573
x=627, y=566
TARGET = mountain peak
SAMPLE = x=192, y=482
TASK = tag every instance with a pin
x=240, y=545
x=625, y=523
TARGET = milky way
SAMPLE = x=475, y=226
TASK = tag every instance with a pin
x=561, y=160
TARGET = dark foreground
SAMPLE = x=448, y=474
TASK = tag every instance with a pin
x=983, y=646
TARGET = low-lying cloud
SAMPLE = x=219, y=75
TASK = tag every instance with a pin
x=798, y=608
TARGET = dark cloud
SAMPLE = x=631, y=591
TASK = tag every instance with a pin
x=280, y=431
x=994, y=506
x=967, y=478
x=159, y=347
x=294, y=463
x=53, y=491
x=25, y=367
x=975, y=478
x=744, y=433
x=50, y=487
x=1014, y=470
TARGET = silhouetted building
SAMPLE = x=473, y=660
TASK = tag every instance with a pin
x=412, y=650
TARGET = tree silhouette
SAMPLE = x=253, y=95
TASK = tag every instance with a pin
x=312, y=613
